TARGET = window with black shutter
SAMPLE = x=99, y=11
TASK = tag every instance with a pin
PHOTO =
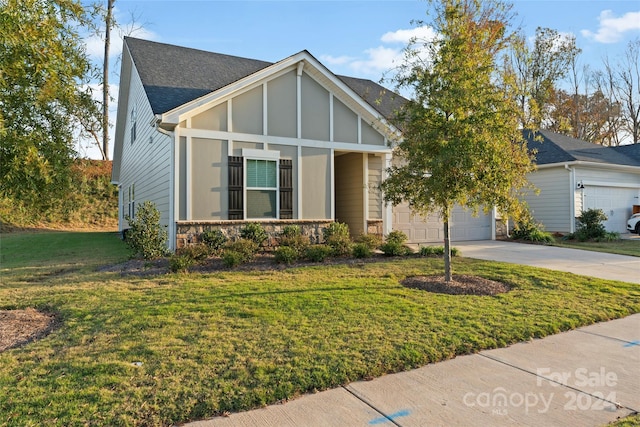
x=236, y=190
x=286, y=189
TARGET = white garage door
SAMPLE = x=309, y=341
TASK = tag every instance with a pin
x=615, y=202
x=464, y=226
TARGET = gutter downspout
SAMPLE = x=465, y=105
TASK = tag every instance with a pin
x=572, y=198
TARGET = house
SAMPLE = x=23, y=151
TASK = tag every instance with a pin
x=574, y=175
x=216, y=141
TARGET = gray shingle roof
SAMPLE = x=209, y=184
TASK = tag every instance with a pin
x=556, y=148
x=174, y=75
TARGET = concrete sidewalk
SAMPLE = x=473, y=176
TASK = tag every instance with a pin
x=586, y=377
x=586, y=263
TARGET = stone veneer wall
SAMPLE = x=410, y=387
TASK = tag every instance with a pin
x=374, y=226
x=188, y=232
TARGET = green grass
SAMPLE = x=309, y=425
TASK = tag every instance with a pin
x=620, y=247
x=232, y=341
x=630, y=421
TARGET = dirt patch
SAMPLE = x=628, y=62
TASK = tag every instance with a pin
x=459, y=285
x=19, y=327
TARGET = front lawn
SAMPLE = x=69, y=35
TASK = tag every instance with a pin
x=168, y=349
x=620, y=247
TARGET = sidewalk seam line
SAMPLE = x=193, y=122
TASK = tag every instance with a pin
x=370, y=405
x=616, y=404
x=605, y=336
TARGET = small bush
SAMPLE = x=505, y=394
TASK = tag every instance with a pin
x=373, y=241
x=292, y=237
x=286, y=255
x=214, y=239
x=245, y=247
x=198, y=252
x=395, y=249
x=145, y=235
x=528, y=229
x=232, y=258
x=610, y=236
x=362, y=250
x=397, y=237
x=590, y=225
x=436, y=251
x=337, y=237
x=336, y=229
x=180, y=263
x=254, y=232
x=317, y=253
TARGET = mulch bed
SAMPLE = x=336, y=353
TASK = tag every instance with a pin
x=459, y=285
x=19, y=327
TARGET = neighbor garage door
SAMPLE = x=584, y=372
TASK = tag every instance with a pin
x=615, y=202
x=464, y=226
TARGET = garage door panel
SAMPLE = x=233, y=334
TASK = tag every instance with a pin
x=615, y=202
x=464, y=226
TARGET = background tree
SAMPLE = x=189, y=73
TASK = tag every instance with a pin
x=458, y=131
x=536, y=71
x=44, y=98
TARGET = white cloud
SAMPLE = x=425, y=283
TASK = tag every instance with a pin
x=611, y=28
x=95, y=43
x=377, y=60
x=421, y=34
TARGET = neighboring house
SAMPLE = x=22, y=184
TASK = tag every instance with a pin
x=574, y=175
x=216, y=141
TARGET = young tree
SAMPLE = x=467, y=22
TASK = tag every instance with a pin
x=460, y=139
x=44, y=98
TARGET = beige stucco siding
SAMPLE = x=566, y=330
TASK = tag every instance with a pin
x=374, y=192
x=209, y=181
x=281, y=106
x=315, y=110
x=239, y=145
x=552, y=206
x=214, y=118
x=316, y=183
x=345, y=123
x=370, y=135
x=247, y=112
x=350, y=191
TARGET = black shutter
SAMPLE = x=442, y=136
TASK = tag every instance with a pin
x=236, y=175
x=286, y=189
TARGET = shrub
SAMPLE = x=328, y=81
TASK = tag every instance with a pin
x=292, y=237
x=214, y=239
x=317, y=253
x=528, y=229
x=396, y=236
x=286, y=255
x=373, y=241
x=590, y=225
x=610, y=236
x=337, y=237
x=437, y=251
x=394, y=248
x=180, y=263
x=362, y=250
x=197, y=252
x=232, y=258
x=255, y=232
x=244, y=247
x=145, y=235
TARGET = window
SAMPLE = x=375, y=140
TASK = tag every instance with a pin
x=261, y=188
x=132, y=201
x=134, y=119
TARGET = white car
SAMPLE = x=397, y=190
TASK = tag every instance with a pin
x=633, y=225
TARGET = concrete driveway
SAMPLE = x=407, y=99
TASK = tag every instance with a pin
x=586, y=263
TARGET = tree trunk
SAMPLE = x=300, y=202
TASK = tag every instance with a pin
x=105, y=80
x=447, y=248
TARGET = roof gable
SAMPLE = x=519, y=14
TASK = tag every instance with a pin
x=173, y=76
x=556, y=148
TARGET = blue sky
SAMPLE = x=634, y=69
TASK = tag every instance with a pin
x=355, y=38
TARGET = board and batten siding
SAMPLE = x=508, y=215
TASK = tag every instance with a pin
x=552, y=206
x=146, y=162
x=374, y=192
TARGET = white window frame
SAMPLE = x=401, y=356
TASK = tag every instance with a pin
x=273, y=156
